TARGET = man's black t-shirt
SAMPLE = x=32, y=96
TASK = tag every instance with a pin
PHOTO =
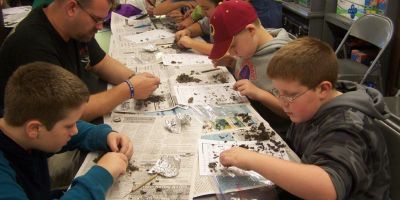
x=35, y=39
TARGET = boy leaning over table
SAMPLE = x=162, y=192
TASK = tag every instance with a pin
x=333, y=129
x=244, y=45
x=43, y=104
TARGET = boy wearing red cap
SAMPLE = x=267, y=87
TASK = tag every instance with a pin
x=236, y=29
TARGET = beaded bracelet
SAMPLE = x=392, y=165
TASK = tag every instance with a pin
x=131, y=89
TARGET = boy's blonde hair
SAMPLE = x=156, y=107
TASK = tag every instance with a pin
x=306, y=60
x=44, y=92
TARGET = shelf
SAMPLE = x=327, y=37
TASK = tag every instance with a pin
x=301, y=10
x=338, y=20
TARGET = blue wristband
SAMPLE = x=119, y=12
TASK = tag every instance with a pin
x=131, y=89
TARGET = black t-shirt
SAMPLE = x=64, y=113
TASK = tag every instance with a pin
x=35, y=39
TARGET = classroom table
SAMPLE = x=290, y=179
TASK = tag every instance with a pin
x=103, y=38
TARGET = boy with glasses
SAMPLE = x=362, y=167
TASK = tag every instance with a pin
x=342, y=151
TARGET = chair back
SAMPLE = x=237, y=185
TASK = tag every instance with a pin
x=374, y=29
x=392, y=138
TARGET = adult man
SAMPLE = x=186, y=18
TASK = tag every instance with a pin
x=63, y=34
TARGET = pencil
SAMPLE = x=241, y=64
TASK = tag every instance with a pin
x=210, y=70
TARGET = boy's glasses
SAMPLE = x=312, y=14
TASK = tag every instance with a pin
x=96, y=19
x=288, y=99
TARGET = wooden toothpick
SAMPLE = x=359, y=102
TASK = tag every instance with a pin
x=141, y=185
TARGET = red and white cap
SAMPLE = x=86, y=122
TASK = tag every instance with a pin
x=230, y=17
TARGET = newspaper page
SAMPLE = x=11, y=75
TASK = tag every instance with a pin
x=199, y=75
x=127, y=26
x=236, y=125
x=151, y=141
x=185, y=59
x=150, y=36
x=208, y=94
x=180, y=85
x=232, y=178
x=160, y=100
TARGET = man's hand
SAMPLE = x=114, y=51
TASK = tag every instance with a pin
x=144, y=85
x=247, y=88
x=114, y=163
x=121, y=143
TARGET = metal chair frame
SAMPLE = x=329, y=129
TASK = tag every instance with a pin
x=372, y=28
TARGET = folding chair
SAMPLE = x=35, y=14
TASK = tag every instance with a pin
x=371, y=28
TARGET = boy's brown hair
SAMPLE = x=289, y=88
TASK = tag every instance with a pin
x=44, y=92
x=306, y=60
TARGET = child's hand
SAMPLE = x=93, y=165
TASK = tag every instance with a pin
x=247, y=88
x=185, y=23
x=236, y=156
x=150, y=10
x=176, y=15
x=181, y=33
x=114, y=163
x=150, y=7
x=185, y=42
x=191, y=4
x=120, y=143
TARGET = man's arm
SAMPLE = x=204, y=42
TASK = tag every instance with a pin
x=104, y=102
x=115, y=72
x=112, y=70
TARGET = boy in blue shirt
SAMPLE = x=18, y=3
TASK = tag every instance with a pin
x=43, y=104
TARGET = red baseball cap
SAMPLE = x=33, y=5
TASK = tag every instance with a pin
x=230, y=17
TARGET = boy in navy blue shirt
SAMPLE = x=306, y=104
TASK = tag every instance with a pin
x=43, y=103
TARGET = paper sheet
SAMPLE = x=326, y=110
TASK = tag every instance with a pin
x=185, y=59
x=149, y=36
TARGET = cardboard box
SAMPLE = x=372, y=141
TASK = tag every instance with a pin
x=353, y=9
